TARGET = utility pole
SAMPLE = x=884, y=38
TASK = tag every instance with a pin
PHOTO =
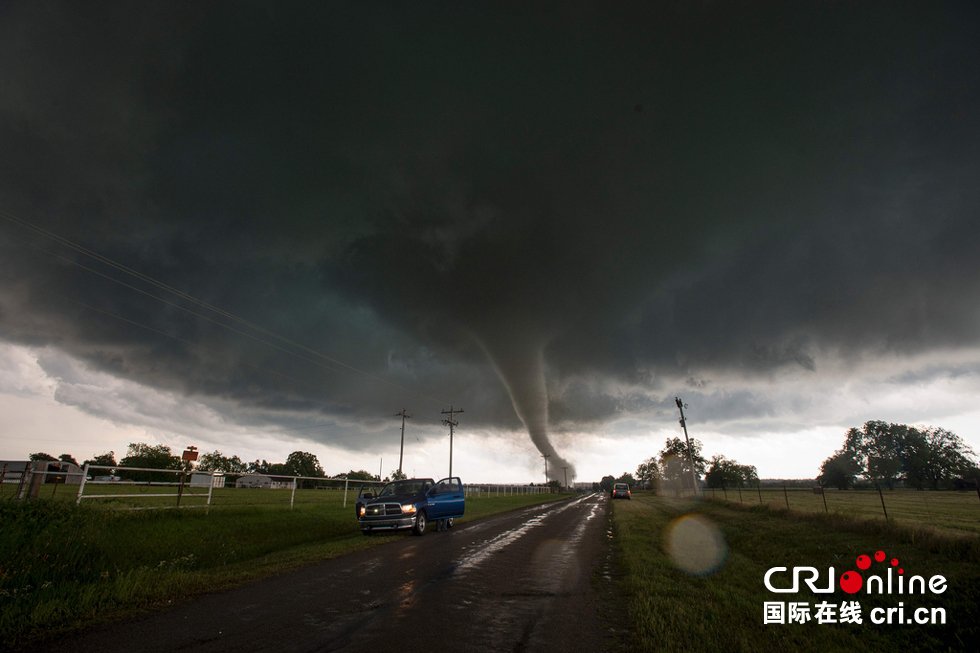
x=566, y=477
x=546, y=456
x=451, y=423
x=401, y=452
x=690, y=456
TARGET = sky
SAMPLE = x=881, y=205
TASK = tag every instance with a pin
x=269, y=227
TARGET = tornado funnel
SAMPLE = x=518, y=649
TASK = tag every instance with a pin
x=519, y=362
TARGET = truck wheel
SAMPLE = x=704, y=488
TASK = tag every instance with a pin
x=419, y=528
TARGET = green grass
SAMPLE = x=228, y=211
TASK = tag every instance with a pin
x=64, y=567
x=954, y=511
x=670, y=609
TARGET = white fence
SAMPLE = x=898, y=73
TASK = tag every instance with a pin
x=200, y=486
x=494, y=490
x=32, y=479
x=141, y=488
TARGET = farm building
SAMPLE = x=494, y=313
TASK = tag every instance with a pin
x=12, y=471
x=204, y=479
x=261, y=480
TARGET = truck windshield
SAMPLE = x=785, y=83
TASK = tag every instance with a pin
x=401, y=487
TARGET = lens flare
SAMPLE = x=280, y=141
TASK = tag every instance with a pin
x=695, y=545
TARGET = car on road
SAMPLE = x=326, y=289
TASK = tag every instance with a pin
x=411, y=504
x=621, y=491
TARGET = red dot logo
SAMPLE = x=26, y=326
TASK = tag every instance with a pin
x=851, y=582
x=879, y=556
x=863, y=561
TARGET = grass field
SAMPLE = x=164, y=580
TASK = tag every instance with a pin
x=64, y=566
x=721, y=607
x=954, y=511
x=163, y=495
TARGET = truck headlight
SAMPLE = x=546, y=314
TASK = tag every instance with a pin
x=408, y=509
x=360, y=511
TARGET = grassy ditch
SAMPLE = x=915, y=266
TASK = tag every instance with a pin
x=721, y=607
x=63, y=566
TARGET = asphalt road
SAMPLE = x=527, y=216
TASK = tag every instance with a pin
x=516, y=582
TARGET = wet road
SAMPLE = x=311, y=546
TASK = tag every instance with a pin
x=517, y=582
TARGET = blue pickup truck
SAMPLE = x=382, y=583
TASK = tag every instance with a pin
x=411, y=504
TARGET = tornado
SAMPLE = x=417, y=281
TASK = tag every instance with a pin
x=519, y=362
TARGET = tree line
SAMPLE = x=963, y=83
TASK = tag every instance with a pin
x=878, y=453
x=897, y=454
x=142, y=455
x=671, y=469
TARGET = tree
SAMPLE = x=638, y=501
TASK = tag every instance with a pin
x=917, y=457
x=626, y=478
x=675, y=463
x=934, y=457
x=68, y=458
x=398, y=475
x=360, y=475
x=725, y=472
x=839, y=470
x=951, y=456
x=41, y=456
x=606, y=484
x=107, y=459
x=648, y=474
x=303, y=463
x=140, y=454
x=257, y=467
x=216, y=461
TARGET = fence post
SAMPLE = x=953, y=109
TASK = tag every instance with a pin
x=346, y=482
x=211, y=488
x=882, y=497
x=180, y=488
x=739, y=492
x=292, y=496
x=823, y=493
x=725, y=490
x=758, y=487
x=81, y=486
x=786, y=496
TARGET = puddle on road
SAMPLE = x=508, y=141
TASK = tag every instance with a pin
x=493, y=545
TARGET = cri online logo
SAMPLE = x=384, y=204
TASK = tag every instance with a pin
x=893, y=581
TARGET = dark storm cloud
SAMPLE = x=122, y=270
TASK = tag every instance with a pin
x=581, y=193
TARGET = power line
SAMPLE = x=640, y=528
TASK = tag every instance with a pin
x=193, y=344
x=198, y=302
